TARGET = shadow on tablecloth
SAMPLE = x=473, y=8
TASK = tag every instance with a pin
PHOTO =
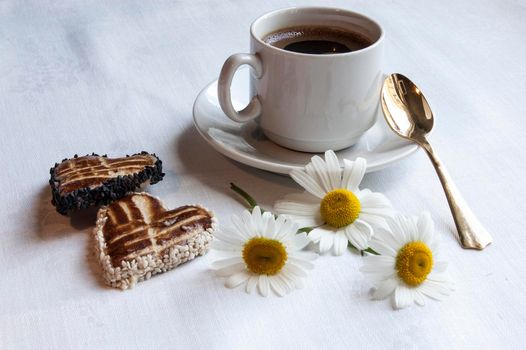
x=52, y=225
x=216, y=171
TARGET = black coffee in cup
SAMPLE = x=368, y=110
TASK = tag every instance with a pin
x=317, y=40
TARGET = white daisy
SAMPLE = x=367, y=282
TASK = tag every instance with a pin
x=408, y=267
x=264, y=252
x=334, y=205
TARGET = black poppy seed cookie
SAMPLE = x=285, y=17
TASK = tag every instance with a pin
x=93, y=180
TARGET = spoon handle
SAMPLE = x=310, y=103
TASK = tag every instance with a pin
x=471, y=233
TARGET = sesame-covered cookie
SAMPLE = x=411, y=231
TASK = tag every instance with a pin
x=136, y=238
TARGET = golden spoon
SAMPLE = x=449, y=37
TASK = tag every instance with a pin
x=409, y=115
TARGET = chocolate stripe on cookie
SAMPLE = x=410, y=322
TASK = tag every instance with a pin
x=81, y=182
x=139, y=225
x=93, y=170
x=136, y=238
x=81, y=173
x=97, y=163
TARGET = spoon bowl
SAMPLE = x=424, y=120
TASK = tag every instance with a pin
x=408, y=114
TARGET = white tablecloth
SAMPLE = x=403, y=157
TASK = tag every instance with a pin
x=119, y=77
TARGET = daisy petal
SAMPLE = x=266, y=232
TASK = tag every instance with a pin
x=442, y=281
x=236, y=279
x=263, y=285
x=241, y=228
x=304, y=221
x=397, y=231
x=425, y=228
x=295, y=270
x=278, y=224
x=356, y=237
x=365, y=227
x=230, y=269
x=311, y=171
x=321, y=171
x=287, y=228
x=303, y=197
x=402, y=297
x=256, y=218
x=326, y=241
x=333, y=169
x=340, y=243
x=298, y=283
x=355, y=172
x=305, y=255
x=408, y=226
x=419, y=298
x=219, y=264
x=277, y=286
x=413, y=229
x=301, y=262
x=315, y=235
x=287, y=281
x=267, y=225
x=385, y=289
x=249, y=227
x=294, y=228
x=230, y=238
x=346, y=174
x=378, y=264
x=440, y=266
x=382, y=247
x=297, y=208
x=431, y=290
x=223, y=254
x=288, y=285
x=300, y=241
x=359, y=233
x=307, y=182
x=223, y=246
x=374, y=200
x=377, y=275
x=381, y=212
x=373, y=220
x=292, y=279
x=251, y=284
x=388, y=238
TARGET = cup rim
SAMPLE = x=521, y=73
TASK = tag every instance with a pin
x=314, y=8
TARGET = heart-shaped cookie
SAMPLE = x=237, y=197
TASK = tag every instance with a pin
x=81, y=182
x=136, y=238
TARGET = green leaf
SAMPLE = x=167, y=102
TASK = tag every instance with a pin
x=369, y=250
x=362, y=252
x=305, y=229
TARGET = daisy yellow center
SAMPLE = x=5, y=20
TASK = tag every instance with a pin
x=340, y=208
x=414, y=262
x=264, y=256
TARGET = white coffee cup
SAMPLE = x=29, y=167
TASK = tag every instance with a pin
x=309, y=102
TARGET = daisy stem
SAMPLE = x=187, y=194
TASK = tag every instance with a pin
x=248, y=198
x=252, y=203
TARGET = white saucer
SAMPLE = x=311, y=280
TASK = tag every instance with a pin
x=247, y=144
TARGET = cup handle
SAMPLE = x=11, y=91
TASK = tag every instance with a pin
x=253, y=109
